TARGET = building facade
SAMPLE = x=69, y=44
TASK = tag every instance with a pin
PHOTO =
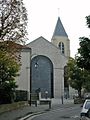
x=46, y=64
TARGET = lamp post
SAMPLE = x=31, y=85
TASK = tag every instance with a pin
x=62, y=98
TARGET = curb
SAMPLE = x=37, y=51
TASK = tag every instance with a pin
x=33, y=114
x=36, y=113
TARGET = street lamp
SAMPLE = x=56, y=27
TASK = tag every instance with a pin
x=36, y=65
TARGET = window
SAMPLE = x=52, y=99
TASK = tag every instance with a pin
x=87, y=106
x=61, y=46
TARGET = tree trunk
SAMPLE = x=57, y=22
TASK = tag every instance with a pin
x=79, y=93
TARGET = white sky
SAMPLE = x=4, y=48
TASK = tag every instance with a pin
x=43, y=15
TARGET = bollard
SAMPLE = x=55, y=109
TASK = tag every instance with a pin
x=35, y=103
x=62, y=99
x=50, y=104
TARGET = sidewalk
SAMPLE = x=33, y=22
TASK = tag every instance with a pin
x=19, y=113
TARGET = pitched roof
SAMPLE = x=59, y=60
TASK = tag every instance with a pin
x=59, y=29
x=12, y=46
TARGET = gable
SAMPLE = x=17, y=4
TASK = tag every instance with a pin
x=41, y=46
x=38, y=40
x=41, y=42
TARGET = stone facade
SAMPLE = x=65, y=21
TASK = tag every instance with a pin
x=43, y=47
x=57, y=39
x=52, y=51
x=23, y=81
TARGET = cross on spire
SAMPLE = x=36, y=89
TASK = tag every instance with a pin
x=58, y=12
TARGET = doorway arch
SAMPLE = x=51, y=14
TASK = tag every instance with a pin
x=42, y=75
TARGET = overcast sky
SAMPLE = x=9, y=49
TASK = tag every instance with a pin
x=43, y=15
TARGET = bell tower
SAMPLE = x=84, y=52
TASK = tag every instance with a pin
x=60, y=39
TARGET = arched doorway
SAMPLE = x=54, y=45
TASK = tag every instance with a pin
x=42, y=75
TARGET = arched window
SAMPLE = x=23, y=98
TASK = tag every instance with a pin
x=42, y=75
x=61, y=46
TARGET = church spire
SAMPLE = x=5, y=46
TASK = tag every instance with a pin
x=59, y=29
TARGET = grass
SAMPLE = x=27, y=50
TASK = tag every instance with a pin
x=12, y=106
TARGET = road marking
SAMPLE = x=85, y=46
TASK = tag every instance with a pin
x=75, y=116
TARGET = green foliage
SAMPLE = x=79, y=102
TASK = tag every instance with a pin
x=78, y=78
x=83, y=57
x=88, y=21
x=13, y=23
x=13, y=20
x=66, y=77
x=8, y=71
x=75, y=75
x=86, y=84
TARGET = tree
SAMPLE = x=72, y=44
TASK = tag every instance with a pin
x=13, y=21
x=8, y=71
x=88, y=21
x=12, y=48
x=86, y=84
x=83, y=56
x=75, y=76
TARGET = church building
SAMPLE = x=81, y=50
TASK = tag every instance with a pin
x=43, y=64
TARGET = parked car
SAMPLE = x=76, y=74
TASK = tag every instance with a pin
x=85, y=112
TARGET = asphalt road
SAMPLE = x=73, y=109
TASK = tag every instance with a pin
x=67, y=113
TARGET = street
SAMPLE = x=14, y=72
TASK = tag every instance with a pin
x=64, y=113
